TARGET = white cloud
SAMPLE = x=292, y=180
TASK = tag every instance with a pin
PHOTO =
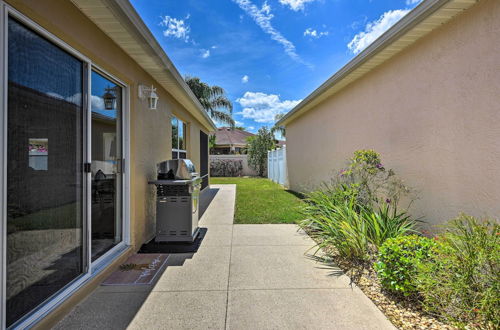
x=238, y=123
x=295, y=5
x=262, y=107
x=176, y=28
x=375, y=29
x=263, y=19
x=205, y=53
x=251, y=128
x=244, y=79
x=314, y=33
x=412, y=2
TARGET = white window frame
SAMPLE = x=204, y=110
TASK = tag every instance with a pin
x=97, y=266
x=184, y=130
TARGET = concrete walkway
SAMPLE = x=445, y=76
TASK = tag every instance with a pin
x=242, y=277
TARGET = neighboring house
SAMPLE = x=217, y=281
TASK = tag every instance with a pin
x=426, y=96
x=230, y=141
x=80, y=140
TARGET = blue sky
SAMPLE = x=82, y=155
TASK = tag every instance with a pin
x=267, y=55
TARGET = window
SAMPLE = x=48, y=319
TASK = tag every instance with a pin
x=178, y=139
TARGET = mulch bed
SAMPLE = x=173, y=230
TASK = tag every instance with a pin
x=404, y=313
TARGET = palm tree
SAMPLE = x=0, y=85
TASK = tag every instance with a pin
x=276, y=128
x=212, y=99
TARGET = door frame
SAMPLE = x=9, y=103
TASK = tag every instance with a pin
x=103, y=260
x=93, y=269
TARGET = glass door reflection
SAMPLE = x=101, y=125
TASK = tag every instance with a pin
x=106, y=165
x=46, y=241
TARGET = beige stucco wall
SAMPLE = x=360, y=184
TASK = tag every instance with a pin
x=150, y=130
x=433, y=112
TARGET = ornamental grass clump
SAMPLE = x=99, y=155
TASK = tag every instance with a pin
x=337, y=223
x=358, y=211
x=460, y=283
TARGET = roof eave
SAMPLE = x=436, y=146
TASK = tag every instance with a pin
x=427, y=16
x=120, y=21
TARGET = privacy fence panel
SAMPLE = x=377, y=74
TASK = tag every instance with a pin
x=276, y=166
x=218, y=161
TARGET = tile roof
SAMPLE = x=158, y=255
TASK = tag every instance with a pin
x=228, y=136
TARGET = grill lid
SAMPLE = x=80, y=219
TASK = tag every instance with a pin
x=176, y=169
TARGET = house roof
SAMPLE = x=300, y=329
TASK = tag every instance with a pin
x=225, y=136
x=427, y=16
x=119, y=20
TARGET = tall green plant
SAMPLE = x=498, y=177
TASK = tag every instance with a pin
x=338, y=223
x=461, y=283
x=212, y=141
x=376, y=184
x=258, y=146
x=386, y=222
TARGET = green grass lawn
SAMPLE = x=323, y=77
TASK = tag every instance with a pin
x=259, y=200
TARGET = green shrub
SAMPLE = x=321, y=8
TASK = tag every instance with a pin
x=398, y=259
x=375, y=184
x=461, y=283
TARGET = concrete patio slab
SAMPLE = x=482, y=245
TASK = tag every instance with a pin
x=104, y=311
x=217, y=235
x=208, y=269
x=303, y=309
x=242, y=277
x=270, y=234
x=281, y=267
x=182, y=310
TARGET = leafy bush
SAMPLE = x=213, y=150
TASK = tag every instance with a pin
x=461, y=283
x=226, y=167
x=375, y=184
x=398, y=259
x=258, y=146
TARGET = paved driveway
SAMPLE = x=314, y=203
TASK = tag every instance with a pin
x=242, y=277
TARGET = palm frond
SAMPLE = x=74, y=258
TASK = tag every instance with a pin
x=222, y=102
x=222, y=117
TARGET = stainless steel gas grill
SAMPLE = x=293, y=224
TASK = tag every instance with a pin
x=177, y=201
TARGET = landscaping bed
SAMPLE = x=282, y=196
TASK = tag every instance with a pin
x=419, y=280
x=404, y=313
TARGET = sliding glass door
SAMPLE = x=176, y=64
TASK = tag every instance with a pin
x=107, y=164
x=46, y=245
x=64, y=165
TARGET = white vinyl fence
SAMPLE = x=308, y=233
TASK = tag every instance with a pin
x=276, y=166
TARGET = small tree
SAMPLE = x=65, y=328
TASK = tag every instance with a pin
x=211, y=143
x=258, y=146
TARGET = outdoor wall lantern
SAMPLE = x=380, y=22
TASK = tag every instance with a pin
x=109, y=98
x=150, y=94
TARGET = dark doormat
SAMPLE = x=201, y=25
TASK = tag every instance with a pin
x=174, y=247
